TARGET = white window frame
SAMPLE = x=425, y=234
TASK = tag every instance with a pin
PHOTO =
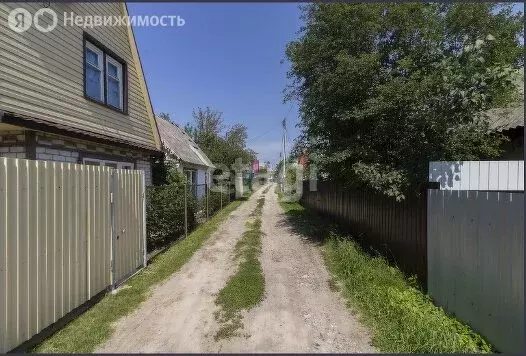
x=102, y=162
x=117, y=64
x=100, y=68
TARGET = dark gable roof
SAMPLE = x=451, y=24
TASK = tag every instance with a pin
x=177, y=142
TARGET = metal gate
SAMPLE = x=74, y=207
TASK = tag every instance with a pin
x=128, y=220
x=67, y=232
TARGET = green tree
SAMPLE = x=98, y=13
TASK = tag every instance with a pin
x=221, y=147
x=386, y=88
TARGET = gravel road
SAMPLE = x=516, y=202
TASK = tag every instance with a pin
x=298, y=314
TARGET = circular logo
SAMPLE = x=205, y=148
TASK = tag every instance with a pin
x=19, y=20
x=44, y=27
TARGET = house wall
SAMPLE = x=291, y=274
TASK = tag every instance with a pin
x=514, y=148
x=51, y=147
x=42, y=74
x=12, y=144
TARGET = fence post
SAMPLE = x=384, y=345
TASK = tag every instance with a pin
x=207, y=187
x=113, y=236
x=185, y=210
x=221, y=197
x=143, y=185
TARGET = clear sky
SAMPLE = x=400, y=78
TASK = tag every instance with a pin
x=226, y=56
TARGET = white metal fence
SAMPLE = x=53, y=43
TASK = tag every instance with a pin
x=478, y=175
x=476, y=261
x=58, y=225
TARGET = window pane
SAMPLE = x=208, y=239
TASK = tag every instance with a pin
x=93, y=87
x=114, y=95
x=91, y=163
x=92, y=57
x=112, y=70
x=112, y=165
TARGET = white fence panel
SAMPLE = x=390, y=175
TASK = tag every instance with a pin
x=129, y=220
x=56, y=240
x=478, y=175
x=476, y=261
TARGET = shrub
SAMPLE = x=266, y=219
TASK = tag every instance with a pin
x=165, y=215
x=214, y=205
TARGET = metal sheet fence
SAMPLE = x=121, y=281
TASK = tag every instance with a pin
x=476, y=261
x=56, y=239
x=397, y=229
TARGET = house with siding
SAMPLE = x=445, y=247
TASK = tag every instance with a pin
x=75, y=94
x=183, y=152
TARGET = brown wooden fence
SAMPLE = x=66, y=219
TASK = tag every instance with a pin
x=397, y=229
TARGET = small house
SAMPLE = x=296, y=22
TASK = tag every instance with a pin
x=181, y=150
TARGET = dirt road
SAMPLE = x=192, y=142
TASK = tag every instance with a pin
x=298, y=314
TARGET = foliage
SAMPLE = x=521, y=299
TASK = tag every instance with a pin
x=95, y=326
x=222, y=146
x=245, y=289
x=401, y=317
x=165, y=214
x=214, y=205
x=165, y=116
x=386, y=88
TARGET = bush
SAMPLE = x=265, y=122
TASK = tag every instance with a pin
x=165, y=215
x=214, y=204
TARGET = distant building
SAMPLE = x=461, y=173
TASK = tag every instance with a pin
x=180, y=148
x=510, y=122
x=255, y=166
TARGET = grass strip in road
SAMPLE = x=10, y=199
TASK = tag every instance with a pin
x=92, y=328
x=245, y=289
x=401, y=317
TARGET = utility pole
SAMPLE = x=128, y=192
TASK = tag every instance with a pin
x=284, y=124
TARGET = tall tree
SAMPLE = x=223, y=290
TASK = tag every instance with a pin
x=220, y=146
x=386, y=88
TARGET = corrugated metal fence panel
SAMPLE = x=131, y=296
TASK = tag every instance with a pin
x=476, y=261
x=128, y=222
x=478, y=175
x=397, y=229
x=55, y=240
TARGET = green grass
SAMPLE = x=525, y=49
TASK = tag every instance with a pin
x=402, y=318
x=92, y=328
x=245, y=289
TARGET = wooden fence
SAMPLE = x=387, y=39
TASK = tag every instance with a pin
x=476, y=261
x=397, y=229
x=67, y=232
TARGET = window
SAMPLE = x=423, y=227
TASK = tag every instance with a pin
x=94, y=71
x=114, y=83
x=104, y=76
x=112, y=164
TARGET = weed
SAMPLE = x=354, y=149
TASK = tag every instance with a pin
x=401, y=317
x=245, y=289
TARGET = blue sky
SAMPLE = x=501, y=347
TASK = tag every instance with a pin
x=226, y=56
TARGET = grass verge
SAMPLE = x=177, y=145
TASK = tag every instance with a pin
x=402, y=318
x=92, y=328
x=244, y=290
